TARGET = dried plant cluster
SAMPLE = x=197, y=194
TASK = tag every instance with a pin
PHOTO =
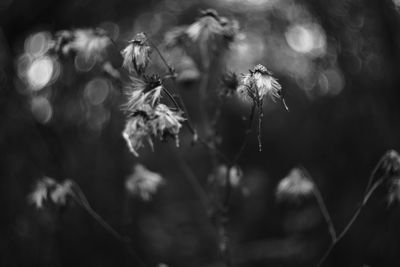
x=153, y=111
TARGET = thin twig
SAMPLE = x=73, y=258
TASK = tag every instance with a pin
x=182, y=106
x=373, y=173
x=322, y=206
x=193, y=131
x=367, y=194
x=194, y=182
x=170, y=96
x=170, y=69
x=245, y=139
x=260, y=116
x=81, y=199
x=325, y=213
x=352, y=220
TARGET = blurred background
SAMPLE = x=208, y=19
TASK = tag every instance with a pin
x=338, y=61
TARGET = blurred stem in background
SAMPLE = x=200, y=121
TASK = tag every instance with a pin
x=370, y=189
x=80, y=198
x=210, y=143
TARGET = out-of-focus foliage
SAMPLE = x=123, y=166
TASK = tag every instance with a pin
x=60, y=116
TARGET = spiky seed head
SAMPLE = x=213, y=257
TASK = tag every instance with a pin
x=166, y=123
x=257, y=84
x=137, y=131
x=136, y=55
x=391, y=163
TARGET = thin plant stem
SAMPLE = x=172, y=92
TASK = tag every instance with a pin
x=193, y=131
x=322, y=206
x=351, y=222
x=373, y=173
x=170, y=69
x=170, y=96
x=203, y=97
x=325, y=213
x=367, y=194
x=193, y=181
x=182, y=106
x=81, y=199
x=247, y=133
x=228, y=191
x=173, y=77
x=260, y=116
x=228, y=187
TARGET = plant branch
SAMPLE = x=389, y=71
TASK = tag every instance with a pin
x=352, y=220
x=182, y=106
x=373, y=173
x=80, y=198
x=193, y=181
x=247, y=133
x=321, y=204
x=325, y=213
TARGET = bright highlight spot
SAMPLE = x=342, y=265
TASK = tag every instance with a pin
x=40, y=72
x=37, y=44
x=97, y=90
x=307, y=38
x=331, y=81
x=41, y=109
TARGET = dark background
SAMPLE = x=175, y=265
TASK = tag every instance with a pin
x=337, y=136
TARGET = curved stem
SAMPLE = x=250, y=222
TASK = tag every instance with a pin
x=182, y=106
x=322, y=206
x=172, y=98
x=81, y=199
x=373, y=173
x=247, y=133
x=352, y=220
x=170, y=69
x=325, y=213
x=194, y=182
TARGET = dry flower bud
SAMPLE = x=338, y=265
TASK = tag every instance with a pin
x=294, y=186
x=257, y=84
x=143, y=183
x=137, y=54
x=391, y=163
x=48, y=187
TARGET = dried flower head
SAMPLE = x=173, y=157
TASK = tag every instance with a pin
x=229, y=84
x=151, y=122
x=137, y=131
x=220, y=175
x=166, y=123
x=176, y=37
x=48, y=187
x=90, y=43
x=137, y=54
x=294, y=186
x=211, y=27
x=143, y=183
x=41, y=191
x=143, y=91
x=391, y=163
x=61, y=192
x=257, y=84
